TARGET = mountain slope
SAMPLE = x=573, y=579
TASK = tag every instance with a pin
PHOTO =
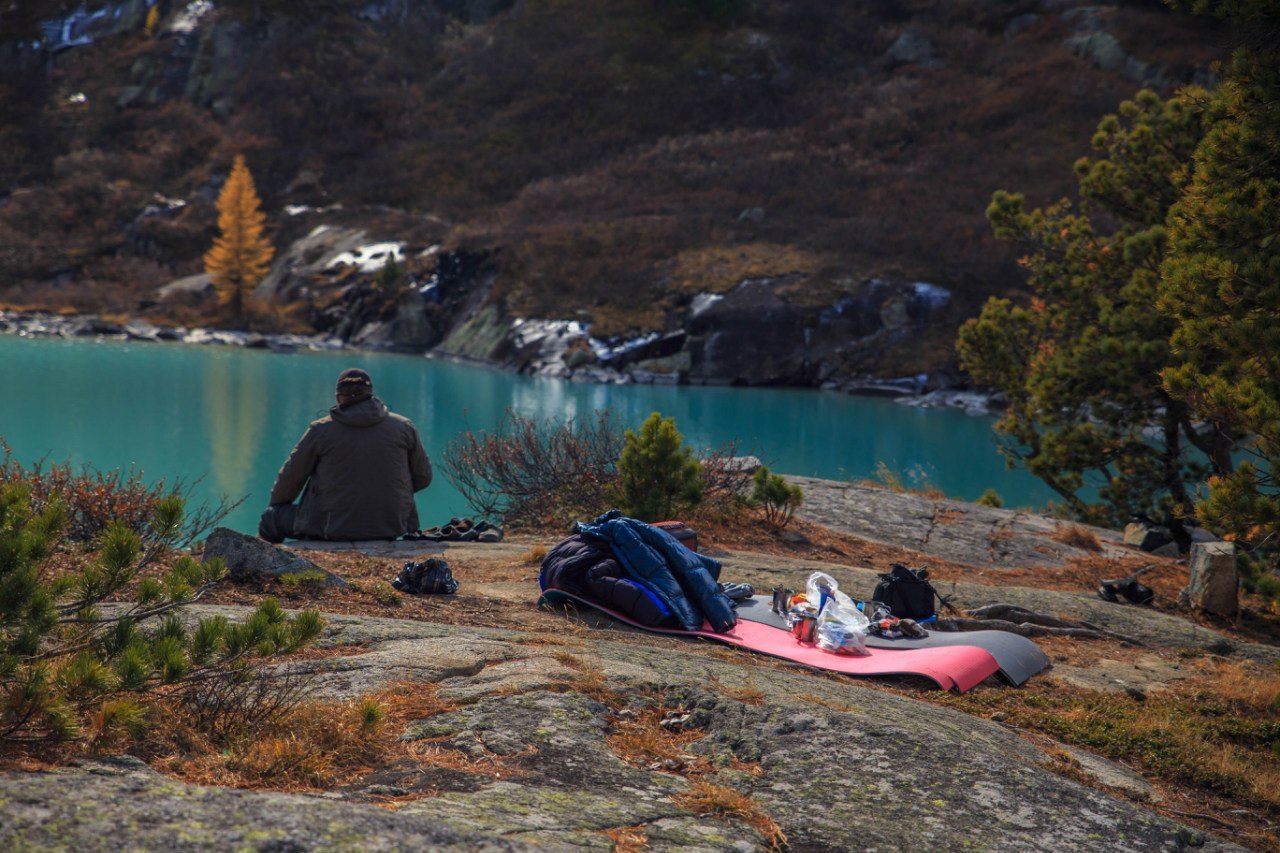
x=616, y=158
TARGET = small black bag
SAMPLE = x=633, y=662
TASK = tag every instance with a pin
x=432, y=577
x=906, y=592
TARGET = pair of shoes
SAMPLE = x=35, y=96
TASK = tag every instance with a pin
x=1131, y=590
x=911, y=628
x=456, y=528
x=485, y=532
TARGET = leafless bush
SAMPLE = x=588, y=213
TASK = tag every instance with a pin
x=531, y=474
x=547, y=474
x=235, y=703
x=726, y=483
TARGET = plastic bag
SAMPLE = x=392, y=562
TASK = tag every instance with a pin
x=842, y=627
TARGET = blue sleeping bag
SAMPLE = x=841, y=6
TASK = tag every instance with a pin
x=685, y=581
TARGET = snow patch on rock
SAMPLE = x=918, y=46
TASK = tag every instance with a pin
x=370, y=257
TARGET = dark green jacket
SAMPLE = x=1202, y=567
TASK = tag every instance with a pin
x=360, y=467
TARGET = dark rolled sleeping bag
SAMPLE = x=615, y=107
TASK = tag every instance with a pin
x=588, y=568
x=565, y=566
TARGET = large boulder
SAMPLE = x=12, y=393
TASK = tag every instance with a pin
x=752, y=336
x=1150, y=537
x=758, y=334
x=250, y=558
x=1214, y=579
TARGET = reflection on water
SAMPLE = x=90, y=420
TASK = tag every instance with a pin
x=236, y=399
x=229, y=417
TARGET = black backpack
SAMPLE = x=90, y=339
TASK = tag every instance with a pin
x=430, y=577
x=906, y=592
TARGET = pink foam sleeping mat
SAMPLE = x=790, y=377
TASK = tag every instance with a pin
x=951, y=667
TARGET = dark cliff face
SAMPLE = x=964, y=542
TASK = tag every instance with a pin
x=615, y=159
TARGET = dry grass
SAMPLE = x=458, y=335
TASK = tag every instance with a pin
x=1241, y=684
x=747, y=693
x=717, y=269
x=843, y=707
x=1211, y=739
x=1062, y=762
x=915, y=481
x=589, y=679
x=314, y=746
x=535, y=555
x=1077, y=536
x=428, y=753
x=628, y=839
x=706, y=798
x=544, y=640
x=642, y=741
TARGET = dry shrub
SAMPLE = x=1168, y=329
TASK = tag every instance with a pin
x=531, y=474
x=1077, y=536
x=240, y=704
x=535, y=555
x=539, y=476
x=300, y=746
x=314, y=746
x=915, y=481
x=706, y=798
x=93, y=499
x=726, y=484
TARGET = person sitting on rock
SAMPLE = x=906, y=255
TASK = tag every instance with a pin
x=357, y=470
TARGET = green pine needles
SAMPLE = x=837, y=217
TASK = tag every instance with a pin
x=777, y=498
x=1146, y=363
x=1220, y=279
x=658, y=475
x=76, y=653
x=1080, y=363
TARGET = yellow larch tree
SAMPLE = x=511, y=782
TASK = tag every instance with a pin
x=241, y=254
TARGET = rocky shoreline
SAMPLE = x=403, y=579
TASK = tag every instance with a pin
x=551, y=361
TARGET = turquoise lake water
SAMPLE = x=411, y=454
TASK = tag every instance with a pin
x=228, y=417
